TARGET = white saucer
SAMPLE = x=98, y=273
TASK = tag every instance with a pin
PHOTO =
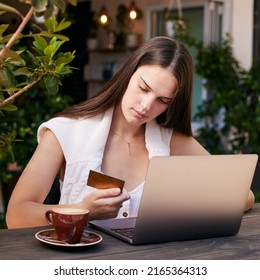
x=49, y=237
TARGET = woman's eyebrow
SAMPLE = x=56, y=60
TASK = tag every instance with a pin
x=145, y=83
x=168, y=98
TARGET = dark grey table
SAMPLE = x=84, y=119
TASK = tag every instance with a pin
x=22, y=244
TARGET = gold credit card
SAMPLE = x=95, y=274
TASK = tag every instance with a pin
x=102, y=181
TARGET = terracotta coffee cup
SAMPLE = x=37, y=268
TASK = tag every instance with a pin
x=69, y=223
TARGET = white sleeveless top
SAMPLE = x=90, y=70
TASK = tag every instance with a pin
x=83, y=142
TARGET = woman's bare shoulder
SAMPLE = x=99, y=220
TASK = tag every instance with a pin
x=186, y=145
x=49, y=146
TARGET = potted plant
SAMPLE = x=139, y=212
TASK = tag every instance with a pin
x=231, y=113
x=175, y=24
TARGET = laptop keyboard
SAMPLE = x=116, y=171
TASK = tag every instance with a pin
x=128, y=232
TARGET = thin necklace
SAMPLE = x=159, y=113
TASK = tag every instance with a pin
x=127, y=142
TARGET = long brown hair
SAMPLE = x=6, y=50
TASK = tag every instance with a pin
x=165, y=52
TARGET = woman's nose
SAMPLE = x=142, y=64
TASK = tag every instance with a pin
x=146, y=102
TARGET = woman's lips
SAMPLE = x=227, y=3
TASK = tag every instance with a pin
x=138, y=114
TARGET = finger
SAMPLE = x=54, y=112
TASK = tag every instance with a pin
x=107, y=193
x=126, y=194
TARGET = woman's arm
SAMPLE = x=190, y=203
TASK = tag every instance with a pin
x=250, y=201
x=186, y=145
x=26, y=208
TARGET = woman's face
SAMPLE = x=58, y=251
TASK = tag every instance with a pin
x=149, y=93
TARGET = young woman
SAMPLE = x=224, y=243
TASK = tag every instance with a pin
x=143, y=111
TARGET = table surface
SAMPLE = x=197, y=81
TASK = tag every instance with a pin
x=22, y=244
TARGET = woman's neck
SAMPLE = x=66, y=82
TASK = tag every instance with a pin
x=121, y=127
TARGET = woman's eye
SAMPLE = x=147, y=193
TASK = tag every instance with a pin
x=165, y=102
x=143, y=89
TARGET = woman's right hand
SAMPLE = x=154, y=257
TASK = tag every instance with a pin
x=104, y=204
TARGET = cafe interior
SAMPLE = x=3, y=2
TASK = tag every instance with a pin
x=105, y=33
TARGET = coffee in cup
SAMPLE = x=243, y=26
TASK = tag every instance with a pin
x=69, y=223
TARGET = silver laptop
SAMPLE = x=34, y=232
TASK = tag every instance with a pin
x=188, y=197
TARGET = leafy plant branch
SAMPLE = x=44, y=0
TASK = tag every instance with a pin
x=13, y=66
x=23, y=65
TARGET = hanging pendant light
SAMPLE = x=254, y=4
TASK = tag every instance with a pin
x=103, y=15
x=133, y=10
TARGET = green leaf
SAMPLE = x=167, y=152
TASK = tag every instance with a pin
x=40, y=43
x=51, y=80
x=48, y=51
x=62, y=25
x=3, y=28
x=65, y=58
x=73, y=2
x=22, y=71
x=61, y=5
x=13, y=58
x=50, y=10
x=9, y=107
x=52, y=84
x=8, y=8
x=34, y=59
x=59, y=68
x=53, y=47
x=40, y=5
x=6, y=38
x=49, y=34
x=6, y=77
x=6, y=140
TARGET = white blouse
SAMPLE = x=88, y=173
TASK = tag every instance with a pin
x=83, y=142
